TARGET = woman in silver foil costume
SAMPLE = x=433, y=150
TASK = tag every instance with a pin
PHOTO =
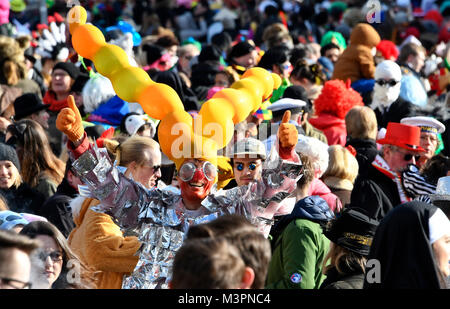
x=162, y=217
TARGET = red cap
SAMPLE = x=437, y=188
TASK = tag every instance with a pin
x=403, y=136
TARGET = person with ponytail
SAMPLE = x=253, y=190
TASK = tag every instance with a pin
x=311, y=77
x=96, y=239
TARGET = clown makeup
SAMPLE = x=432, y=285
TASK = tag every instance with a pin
x=385, y=92
x=196, y=178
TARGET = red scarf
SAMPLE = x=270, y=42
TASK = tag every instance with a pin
x=55, y=105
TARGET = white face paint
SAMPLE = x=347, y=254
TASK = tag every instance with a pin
x=385, y=95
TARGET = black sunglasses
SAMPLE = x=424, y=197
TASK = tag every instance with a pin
x=156, y=168
x=391, y=82
x=408, y=157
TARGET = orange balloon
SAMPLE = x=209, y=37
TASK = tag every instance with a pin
x=87, y=40
x=240, y=101
x=276, y=81
x=130, y=82
x=251, y=86
x=216, y=120
x=175, y=134
x=158, y=100
x=77, y=16
x=264, y=78
x=110, y=58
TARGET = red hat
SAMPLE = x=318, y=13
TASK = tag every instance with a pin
x=435, y=16
x=403, y=136
x=388, y=49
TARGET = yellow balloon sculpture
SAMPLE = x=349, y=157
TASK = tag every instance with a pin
x=180, y=136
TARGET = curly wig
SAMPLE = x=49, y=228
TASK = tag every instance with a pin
x=337, y=98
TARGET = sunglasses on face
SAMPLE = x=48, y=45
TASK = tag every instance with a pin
x=251, y=166
x=16, y=284
x=408, y=157
x=390, y=82
x=188, y=170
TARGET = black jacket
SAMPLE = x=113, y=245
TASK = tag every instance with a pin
x=366, y=151
x=375, y=192
x=23, y=199
x=348, y=279
x=396, y=112
x=57, y=208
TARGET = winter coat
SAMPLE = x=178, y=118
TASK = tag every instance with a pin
x=47, y=186
x=23, y=199
x=313, y=132
x=349, y=279
x=356, y=62
x=366, y=151
x=333, y=127
x=396, y=112
x=57, y=208
x=318, y=187
x=376, y=193
x=301, y=247
x=100, y=244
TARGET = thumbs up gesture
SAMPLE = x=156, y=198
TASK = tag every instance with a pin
x=287, y=132
x=69, y=121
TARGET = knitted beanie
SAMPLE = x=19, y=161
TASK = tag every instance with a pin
x=8, y=153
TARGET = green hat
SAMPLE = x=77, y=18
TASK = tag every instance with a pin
x=18, y=5
x=333, y=37
x=194, y=42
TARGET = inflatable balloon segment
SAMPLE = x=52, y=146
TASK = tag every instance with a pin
x=180, y=135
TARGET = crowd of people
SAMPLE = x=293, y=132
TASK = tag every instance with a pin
x=336, y=177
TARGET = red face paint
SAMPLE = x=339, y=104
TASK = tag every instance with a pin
x=197, y=188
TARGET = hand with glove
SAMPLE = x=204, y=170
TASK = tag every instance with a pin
x=287, y=136
x=70, y=123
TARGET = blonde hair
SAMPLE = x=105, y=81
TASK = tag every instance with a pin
x=342, y=164
x=134, y=149
x=361, y=122
x=339, y=256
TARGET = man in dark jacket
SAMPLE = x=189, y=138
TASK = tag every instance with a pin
x=379, y=189
x=57, y=208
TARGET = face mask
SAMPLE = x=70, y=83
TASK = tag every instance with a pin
x=385, y=95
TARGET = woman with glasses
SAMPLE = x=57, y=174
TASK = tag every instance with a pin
x=53, y=264
x=41, y=169
x=96, y=238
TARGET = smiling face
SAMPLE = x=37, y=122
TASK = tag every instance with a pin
x=61, y=82
x=8, y=174
x=195, y=185
x=46, y=263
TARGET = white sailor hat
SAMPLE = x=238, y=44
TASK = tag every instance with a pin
x=279, y=107
x=426, y=124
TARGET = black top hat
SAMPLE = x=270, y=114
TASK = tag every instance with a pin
x=352, y=230
x=28, y=104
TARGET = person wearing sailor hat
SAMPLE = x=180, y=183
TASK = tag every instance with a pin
x=430, y=128
x=278, y=108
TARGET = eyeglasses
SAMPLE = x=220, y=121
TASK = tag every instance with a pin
x=407, y=156
x=16, y=284
x=391, y=82
x=156, y=168
x=55, y=256
x=251, y=166
x=188, y=170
